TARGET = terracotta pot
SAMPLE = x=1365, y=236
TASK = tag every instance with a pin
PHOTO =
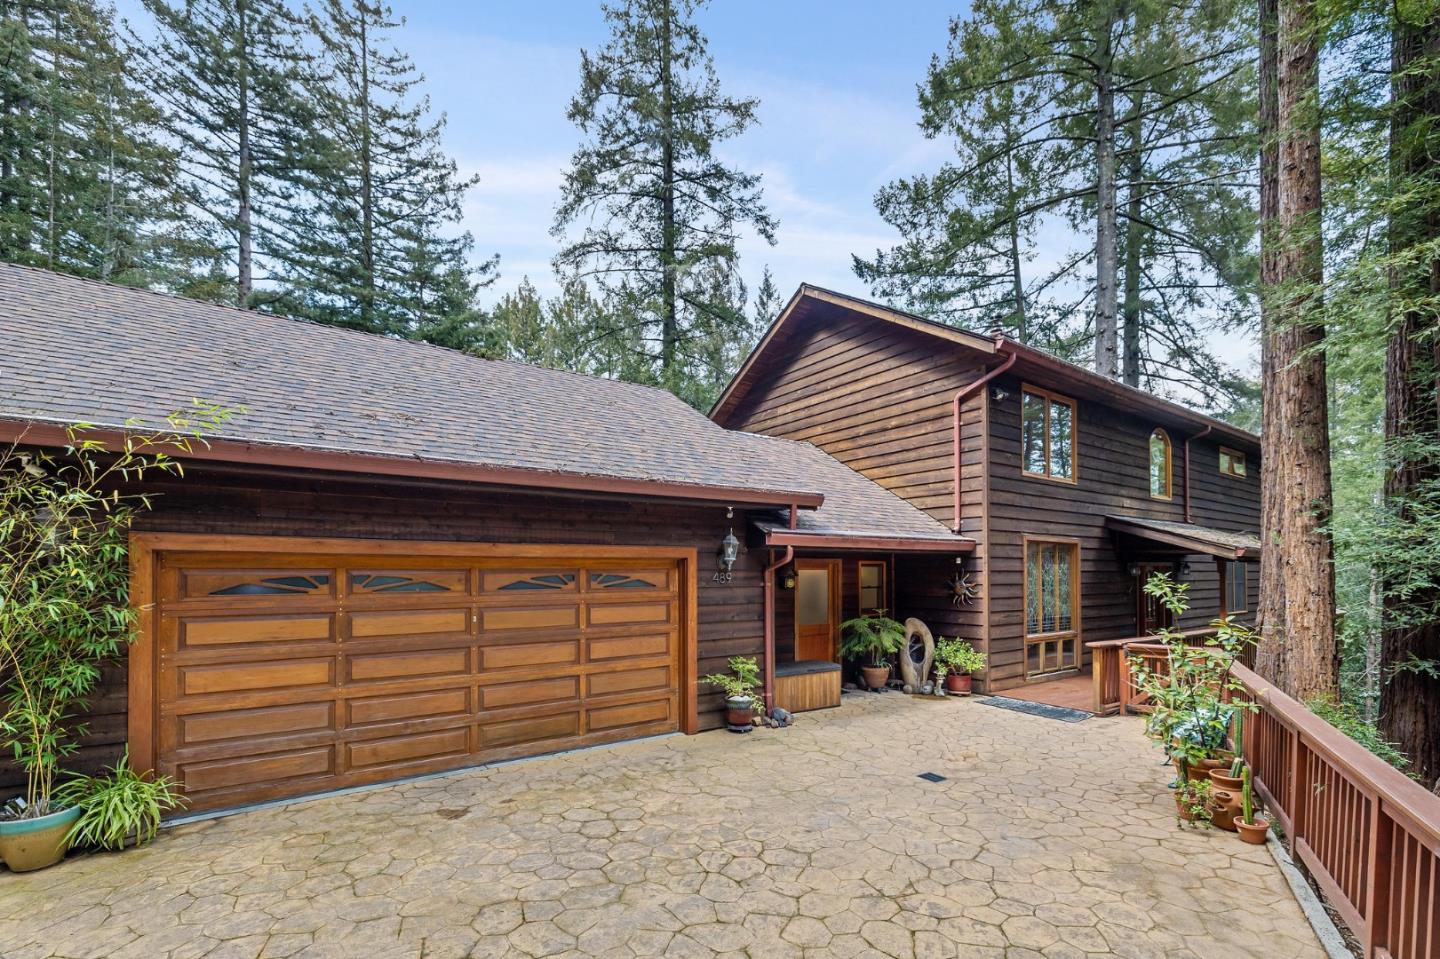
x=959, y=683
x=27, y=844
x=876, y=676
x=740, y=714
x=1253, y=833
x=1224, y=809
x=1182, y=807
x=1221, y=779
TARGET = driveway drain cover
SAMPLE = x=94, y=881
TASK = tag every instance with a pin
x=932, y=777
x=1037, y=709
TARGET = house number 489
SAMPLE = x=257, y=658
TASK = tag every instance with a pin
x=722, y=577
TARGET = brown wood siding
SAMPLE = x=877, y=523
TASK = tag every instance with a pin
x=879, y=399
x=1112, y=478
x=729, y=615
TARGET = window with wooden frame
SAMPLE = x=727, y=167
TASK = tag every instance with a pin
x=872, y=586
x=1237, y=589
x=1160, y=465
x=1047, y=435
x=1232, y=462
x=1052, y=605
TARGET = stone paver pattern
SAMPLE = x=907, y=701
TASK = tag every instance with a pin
x=1046, y=839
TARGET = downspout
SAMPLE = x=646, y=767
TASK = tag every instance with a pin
x=1200, y=435
x=769, y=615
x=964, y=393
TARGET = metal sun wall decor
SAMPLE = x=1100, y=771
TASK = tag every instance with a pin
x=964, y=590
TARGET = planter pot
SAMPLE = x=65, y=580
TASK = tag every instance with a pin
x=740, y=714
x=960, y=684
x=1221, y=779
x=1224, y=809
x=1253, y=833
x=875, y=676
x=27, y=844
x=1182, y=808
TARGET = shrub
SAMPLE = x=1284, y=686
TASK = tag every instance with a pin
x=744, y=681
x=874, y=637
x=958, y=656
x=118, y=807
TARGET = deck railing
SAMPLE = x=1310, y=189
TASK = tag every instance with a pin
x=1369, y=835
x=1113, y=683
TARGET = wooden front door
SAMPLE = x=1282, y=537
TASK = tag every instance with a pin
x=1151, y=616
x=817, y=609
x=281, y=674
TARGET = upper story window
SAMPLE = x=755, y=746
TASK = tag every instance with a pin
x=1160, y=472
x=1047, y=434
x=1232, y=462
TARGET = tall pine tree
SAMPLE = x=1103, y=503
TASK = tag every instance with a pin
x=661, y=213
x=379, y=247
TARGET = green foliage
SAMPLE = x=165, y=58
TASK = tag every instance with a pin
x=1189, y=717
x=741, y=682
x=1346, y=718
x=958, y=656
x=119, y=807
x=1194, y=796
x=64, y=600
x=874, y=636
x=661, y=214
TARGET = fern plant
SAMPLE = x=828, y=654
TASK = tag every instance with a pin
x=742, y=680
x=119, y=806
x=874, y=636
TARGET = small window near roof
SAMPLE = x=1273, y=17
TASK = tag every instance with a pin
x=1232, y=462
x=1160, y=472
x=1047, y=435
x=872, y=586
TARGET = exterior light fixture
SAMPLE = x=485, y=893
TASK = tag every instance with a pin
x=787, y=577
x=1182, y=569
x=1133, y=570
x=999, y=394
x=729, y=546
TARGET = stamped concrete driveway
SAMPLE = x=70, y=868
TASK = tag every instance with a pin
x=1045, y=839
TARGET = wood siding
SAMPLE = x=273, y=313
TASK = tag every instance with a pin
x=729, y=615
x=1112, y=477
x=879, y=398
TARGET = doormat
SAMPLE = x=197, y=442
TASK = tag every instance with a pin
x=1037, y=709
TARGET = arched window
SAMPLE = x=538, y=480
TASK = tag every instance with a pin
x=1160, y=465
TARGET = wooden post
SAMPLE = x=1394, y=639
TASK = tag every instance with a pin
x=1375, y=933
x=1298, y=791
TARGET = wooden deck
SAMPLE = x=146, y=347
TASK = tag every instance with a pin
x=1070, y=692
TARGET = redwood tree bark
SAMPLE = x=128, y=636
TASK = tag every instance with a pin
x=1409, y=700
x=1298, y=441
x=1270, y=615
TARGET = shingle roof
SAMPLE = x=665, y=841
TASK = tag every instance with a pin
x=80, y=350
x=1202, y=539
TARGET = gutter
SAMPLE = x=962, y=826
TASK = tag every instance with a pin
x=965, y=392
x=377, y=464
x=1200, y=435
x=898, y=544
x=769, y=618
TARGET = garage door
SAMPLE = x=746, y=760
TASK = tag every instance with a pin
x=279, y=674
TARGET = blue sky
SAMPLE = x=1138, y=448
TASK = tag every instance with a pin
x=836, y=83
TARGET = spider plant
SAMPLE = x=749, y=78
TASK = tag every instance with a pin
x=119, y=807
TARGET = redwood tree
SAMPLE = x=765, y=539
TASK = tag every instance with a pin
x=1410, y=694
x=1296, y=443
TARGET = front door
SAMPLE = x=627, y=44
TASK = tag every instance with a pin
x=1151, y=616
x=817, y=609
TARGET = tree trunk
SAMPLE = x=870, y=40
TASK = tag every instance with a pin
x=1300, y=443
x=367, y=186
x=1134, y=241
x=1105, y=232
x=670, y=323
x=1410, y=700
x=1017, y=278
x=1270, y=614
x=244, y=280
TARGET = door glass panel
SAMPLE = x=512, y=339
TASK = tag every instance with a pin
x=813, y=597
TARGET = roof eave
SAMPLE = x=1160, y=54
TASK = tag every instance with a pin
x=891, y=544
x=43, y=433
x=1194, y=543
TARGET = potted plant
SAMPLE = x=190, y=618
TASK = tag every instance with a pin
x=119, y=809
x=64, y=607
x=1194, y=802
x=873, y=638
x=739, y=686
x=960, y=661
x=1251, y=829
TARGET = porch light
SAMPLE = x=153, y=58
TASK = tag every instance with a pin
x=787, y=577
x=1133, y=570
x=1182, y=569
x=729, y=546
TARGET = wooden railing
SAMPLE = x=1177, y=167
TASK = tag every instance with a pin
x=1368, y=835
x=1114, y=688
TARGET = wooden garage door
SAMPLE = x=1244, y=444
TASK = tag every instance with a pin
x=278, y=675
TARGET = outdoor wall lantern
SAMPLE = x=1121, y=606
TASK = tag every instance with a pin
x=999, y=394
x=1182, y=569
x=1133, y=570
x=787, y=577
x=729, y=546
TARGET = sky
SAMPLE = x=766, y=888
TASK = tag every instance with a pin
x=837, y=120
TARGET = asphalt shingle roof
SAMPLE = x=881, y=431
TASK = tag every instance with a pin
x=79, y=350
